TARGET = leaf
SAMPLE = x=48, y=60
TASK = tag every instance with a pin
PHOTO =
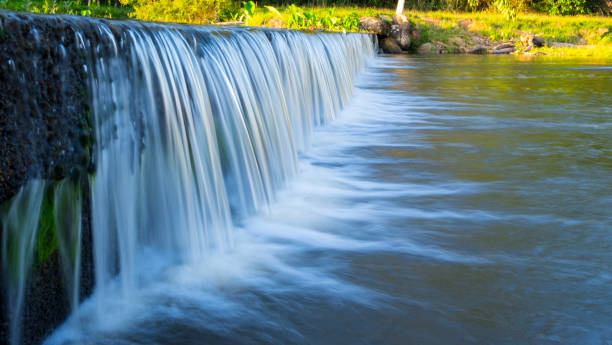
x=273, y=10
x=249, y=7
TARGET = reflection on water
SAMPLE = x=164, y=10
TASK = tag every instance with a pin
x=457, y=200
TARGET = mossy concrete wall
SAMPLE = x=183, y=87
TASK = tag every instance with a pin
x=45, y=132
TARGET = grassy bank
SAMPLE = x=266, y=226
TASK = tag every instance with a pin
x=575, y=36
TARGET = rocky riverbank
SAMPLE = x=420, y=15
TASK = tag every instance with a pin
x=399, y=34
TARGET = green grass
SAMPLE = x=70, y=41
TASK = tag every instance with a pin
x=593, y=34
x=569, y=29
x=66, y=7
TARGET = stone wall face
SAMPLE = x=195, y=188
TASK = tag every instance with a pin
x=44, y=127
x=45, y=132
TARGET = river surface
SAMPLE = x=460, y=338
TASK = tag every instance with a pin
x=456, y=200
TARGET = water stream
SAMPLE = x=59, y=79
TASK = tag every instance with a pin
x=455, y=200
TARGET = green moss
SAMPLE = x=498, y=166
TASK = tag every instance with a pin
x=46, y=239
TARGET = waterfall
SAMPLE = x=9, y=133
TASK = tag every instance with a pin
x=196, y=128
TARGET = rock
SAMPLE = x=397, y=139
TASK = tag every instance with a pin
x=532, y=40
x=415, y=35
x=478, y=50
x=375, y=25
x=504, y=46
x=276, y=23
x=525, y=39
x=457, y=45
x=45, y=133
x=440, y=48
x=601, y=32
x=389, y=46
x=503, y=51
x=400, y=19
x=457, y=41
x=538, y=41
x=424, y=48
x=401, y=34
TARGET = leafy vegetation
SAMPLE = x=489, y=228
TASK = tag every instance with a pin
x=295, y=17
x=179, y=11
x=207, y=11
x=556, y=7
x=491, y=20
x=75, y=8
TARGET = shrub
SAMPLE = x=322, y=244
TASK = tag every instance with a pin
x=566, y=7
x=183, y=11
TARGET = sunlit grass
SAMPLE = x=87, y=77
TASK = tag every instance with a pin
x=569, y=29
x=66, y=7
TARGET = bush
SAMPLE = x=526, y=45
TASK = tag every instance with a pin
x=182, y=11
x=566, y=7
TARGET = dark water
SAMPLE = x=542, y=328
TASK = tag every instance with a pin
x=457, y=200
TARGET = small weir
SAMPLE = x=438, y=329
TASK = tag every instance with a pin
x=195, y=129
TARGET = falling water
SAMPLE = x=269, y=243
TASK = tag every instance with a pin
x=20, y=225
x=41, y=214
x=67, y=211
x=197, y=128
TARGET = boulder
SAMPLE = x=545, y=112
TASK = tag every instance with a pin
x=440, y=48
x=401, y=34
x=532, y=40
x=389, y=46
x=415, y=35
x=538, y=41
x=478, y=50
x=503, y=51
x=424, y=48
x=375, y=25
x=506, y=45
x=400, y=19
x=457, y=41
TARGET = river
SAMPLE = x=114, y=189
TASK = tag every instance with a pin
x=455, y=200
